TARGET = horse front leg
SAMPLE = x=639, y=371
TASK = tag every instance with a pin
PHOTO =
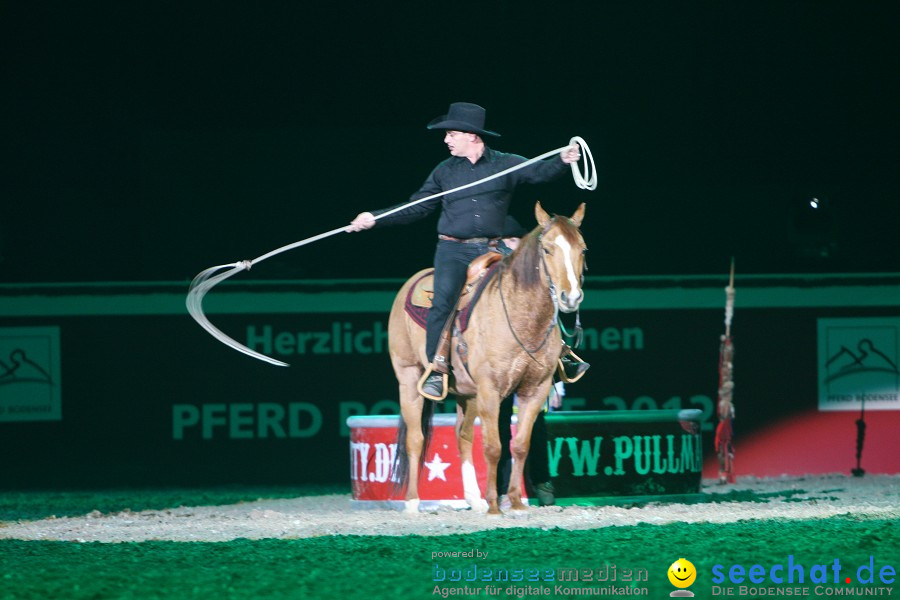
x=489, y=410
x=411, y=410
x=465, y=428
x=528, y=412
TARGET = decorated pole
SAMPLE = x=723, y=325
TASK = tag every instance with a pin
x=724, y=431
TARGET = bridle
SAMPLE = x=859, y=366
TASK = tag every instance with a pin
x=554, y=299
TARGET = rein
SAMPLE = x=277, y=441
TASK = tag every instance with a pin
x=579, y=331
x=553, y=298
x=513, y=331
x=209, y=278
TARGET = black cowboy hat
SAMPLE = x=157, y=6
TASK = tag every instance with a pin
x=463, y=116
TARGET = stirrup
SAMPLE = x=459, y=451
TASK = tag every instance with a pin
x=562, y=369
x=421, y=383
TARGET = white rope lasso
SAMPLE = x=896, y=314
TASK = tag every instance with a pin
x=587, y=181
x=209, y=278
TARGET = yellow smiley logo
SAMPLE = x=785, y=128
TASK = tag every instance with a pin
x=682, y=573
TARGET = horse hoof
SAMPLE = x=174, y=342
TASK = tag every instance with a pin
x=411, y=507
x=478, y=504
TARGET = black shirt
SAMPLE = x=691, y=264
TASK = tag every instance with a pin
x=478, y=211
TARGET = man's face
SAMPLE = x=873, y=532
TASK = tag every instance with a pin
x=511, y=242
x=458, y=142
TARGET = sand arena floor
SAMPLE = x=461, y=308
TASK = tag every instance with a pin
x=810, y=497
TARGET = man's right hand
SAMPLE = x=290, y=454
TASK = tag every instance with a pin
x=364, y=220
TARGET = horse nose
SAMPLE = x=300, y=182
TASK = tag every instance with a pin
x=570, y=301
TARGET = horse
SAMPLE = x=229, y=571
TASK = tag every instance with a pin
x=513, y=343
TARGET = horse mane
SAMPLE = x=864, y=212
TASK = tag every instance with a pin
x=524, y=265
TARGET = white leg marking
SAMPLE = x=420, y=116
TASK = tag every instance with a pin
x=470, y=488
x=412, y=507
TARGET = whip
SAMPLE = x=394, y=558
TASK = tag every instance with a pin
x=209, y=278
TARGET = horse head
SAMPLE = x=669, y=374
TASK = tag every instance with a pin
x=562, y=254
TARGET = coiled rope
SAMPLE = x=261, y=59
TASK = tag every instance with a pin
x=209, y=278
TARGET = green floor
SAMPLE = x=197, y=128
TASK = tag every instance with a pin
x=31, y=505
x=382, y=567
x=402, y=567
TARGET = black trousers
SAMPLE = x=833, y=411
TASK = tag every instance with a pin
x=537, y=466
x=451, y=261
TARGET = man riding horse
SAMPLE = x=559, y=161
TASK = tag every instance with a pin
x=471, y=220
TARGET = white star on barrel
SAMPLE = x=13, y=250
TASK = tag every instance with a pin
x=436, y=468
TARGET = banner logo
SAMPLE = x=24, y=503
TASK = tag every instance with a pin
x=858, y=364
x=30, y=386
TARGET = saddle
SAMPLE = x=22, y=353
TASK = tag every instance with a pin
x=422, y=291
x=419, y=302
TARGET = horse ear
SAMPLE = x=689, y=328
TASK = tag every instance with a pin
x=541, y=215
x=578, y=217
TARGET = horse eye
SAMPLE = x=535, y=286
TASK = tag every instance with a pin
x=546, y=250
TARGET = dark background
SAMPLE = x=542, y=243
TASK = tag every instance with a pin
x=149, y=140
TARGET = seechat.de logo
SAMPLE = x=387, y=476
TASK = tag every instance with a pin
x=682, y=575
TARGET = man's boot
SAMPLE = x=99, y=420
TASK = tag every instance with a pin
x=435, y=386
x=571, y=366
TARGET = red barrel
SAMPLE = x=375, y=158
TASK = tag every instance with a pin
x=373, y=447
